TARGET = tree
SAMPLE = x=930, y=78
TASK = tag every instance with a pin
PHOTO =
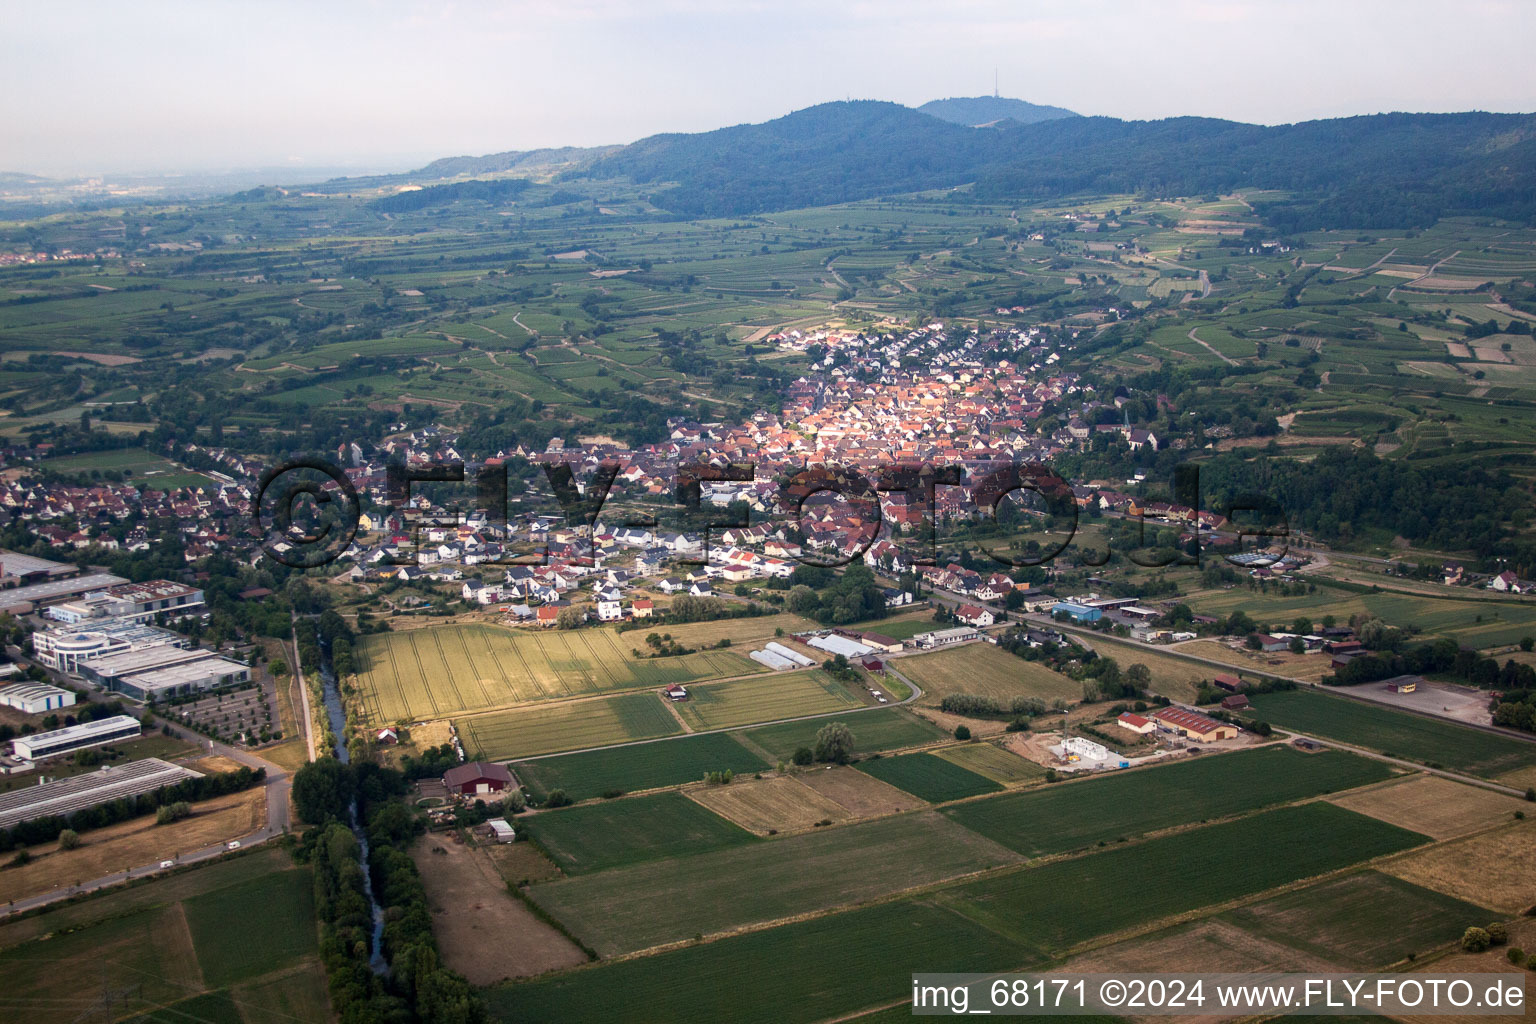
x=1139, y=676
x=834, y=743
x=322, y=790
x=69, y=839
x=962, y=732
x=1527, y=642
x=1475, y=940
x=1297, y=645
x=1498, y=934
x=557, y=798
x=803, y=756
x=570, y=617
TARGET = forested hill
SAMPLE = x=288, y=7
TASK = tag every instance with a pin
x=979, y=110
x=513, y=160
x=1384, y=170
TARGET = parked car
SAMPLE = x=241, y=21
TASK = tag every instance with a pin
x=167, y=864
x=233, y=844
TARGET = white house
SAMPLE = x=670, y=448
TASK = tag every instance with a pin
x=609, y=609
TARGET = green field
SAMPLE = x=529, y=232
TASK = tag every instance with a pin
x=995, y=763
x=141, y=467
x=617, y=832
x=441, y=671
x=194, y=942
x=930, y=778
x=1396, y=732
x=663, y=901
x=1074, y=815
x=882, y=729
x=524, y=732
x=809, y=971
x=764, y=699
x=1361, y=922
x=638, y=767
x=1054, y=907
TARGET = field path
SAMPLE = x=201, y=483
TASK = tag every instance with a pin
x=1206, y=346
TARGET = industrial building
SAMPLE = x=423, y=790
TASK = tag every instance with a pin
x=1193, y=725
x=136, y=602
x=35, y=698
x=65, y=649
x=76, y=737
x=945, y=637
x=25, y=600
x=79, y=792
x=1077, y=612
x=161, y=672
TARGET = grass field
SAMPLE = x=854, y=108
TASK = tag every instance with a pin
x=1396, y=732
x=882, y=729
x=995, y=763
x=1496, y=869
x=617, y=832
x=1054, y=907
x=764, y=699
x=203, y=938
x=1361, y=921
x=1071, y=816
x=524, y=732
x=934, y=779
x=639, y=767
x=145, y=468
x=441, y=671
x=986, y=671
x=809, y=971
x=648, y=904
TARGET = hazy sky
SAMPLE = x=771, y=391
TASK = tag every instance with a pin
x=154, y=85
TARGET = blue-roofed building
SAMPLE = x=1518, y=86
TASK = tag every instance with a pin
x=1078, y=612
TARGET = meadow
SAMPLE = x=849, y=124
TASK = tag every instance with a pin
x=873, y=731
x=1398, y=733
x=233, y=932
x=1074, y=815
x=987, y=671
x=440, y=671
x=1056, y=906
x=639, y=767
x=994, y=762
x=932, y=778
x=644, y=905
x=525, y=732
x=808, y=971
x=613, y=833
x=764, y=699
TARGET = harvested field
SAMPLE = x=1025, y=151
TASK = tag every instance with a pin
x=1213, y=945
x=861, y=795
x=994, y=762
x=442, y=671
x=482, y=931
x=588, y=723
x=986, y=671
x=781, y=804
x=139, y=841
x=764, y=699
x=664, y=901
x=1437, y=807
x=1495, y=870
x=1362, y=921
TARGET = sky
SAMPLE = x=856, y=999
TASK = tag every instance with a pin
x=92, y=87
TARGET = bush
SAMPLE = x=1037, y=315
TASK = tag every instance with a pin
x=1516, y=955
x=1497, y=933
x=1475, y=940
x=1050, y=775
x=557, y=798
x=69, y=839
x=803, y=756
x=1018, y=725
x=1530, y=793
x=22, y=858
x=962, y=732
x=173, y=812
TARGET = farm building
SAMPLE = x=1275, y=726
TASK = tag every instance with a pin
x=1402, y=684
x=1236, y=702
x=880, y=642
x=76, y=737
x=477, y=778
x=78, y=792
x=677, y=692
x=1077, y=612
x=35, y=698
x=501, y=831
x=1135, y=723
x=835, y=644
x=789, y=653
x=387, y=735
x=1193, y=725
x=777, y=662
x=945, y=637
x=1271, y=644
x=1229, y=682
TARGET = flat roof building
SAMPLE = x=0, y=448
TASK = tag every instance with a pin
x=105, y=671
x=945, y=637
x=65, y=649
x=21, y=600
x=208, y=672
x=77, y=737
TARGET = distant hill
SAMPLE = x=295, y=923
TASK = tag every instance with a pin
x=980, y=110
x=563, y=158
x=1382, y=170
